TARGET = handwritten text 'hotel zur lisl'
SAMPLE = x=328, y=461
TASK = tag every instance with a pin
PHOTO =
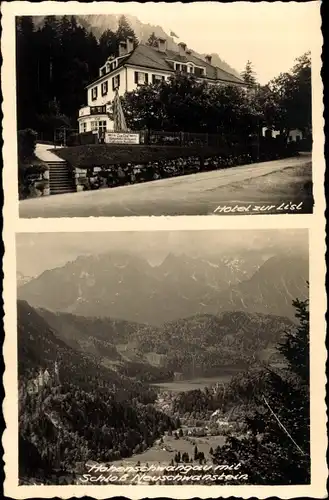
x=236, y=208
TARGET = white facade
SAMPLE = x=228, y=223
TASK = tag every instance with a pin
x=101, y=94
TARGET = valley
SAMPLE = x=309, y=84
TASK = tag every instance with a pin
x=127, y=361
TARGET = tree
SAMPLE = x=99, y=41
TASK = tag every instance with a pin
x=183, y=103
x=26, y=72
x=152, y=40
x=196, y=453
x=248, y=74
x=125, y=30
x=287, y=99
x=27, y=140
x=108, y=44
x=54, y=62
x=276, y=450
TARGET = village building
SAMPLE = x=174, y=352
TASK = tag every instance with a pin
x=294, y=135
x=135, y=66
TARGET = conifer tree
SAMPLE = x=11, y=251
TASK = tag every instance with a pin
x=277, y=448
x=152, y=40
x=248, y=74
x=125, y=30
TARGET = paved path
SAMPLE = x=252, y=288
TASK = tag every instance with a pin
x=43, y=153
x=270, y=183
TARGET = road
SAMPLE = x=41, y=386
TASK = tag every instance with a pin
x=235, y=191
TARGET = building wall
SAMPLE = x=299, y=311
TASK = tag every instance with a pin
x=85, y=122
x=101, y=100
x=295, y=135
x=131, y=85
x=127, y=84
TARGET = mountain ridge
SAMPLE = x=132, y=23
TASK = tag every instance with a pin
x=180, y=286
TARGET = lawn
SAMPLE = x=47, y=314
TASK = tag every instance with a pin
x=165, y=452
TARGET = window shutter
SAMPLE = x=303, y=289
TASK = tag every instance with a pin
x=118, y=81
x=146, y=78
x=136, y=76
x=153, y=79
x=113, y=83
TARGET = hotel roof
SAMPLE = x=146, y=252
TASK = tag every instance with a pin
x=145, y=56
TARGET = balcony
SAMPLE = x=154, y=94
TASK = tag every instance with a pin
x=92, y=110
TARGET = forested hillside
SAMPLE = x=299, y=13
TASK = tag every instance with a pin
x=92, y=413
x=201, y=345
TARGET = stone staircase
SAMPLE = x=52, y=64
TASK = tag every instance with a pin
x=60, y=178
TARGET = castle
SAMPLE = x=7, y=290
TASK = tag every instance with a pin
x=44, y=379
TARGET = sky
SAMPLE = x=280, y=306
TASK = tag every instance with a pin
x=37, y=252
x=270, y=35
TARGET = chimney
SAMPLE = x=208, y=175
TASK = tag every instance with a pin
x=122, y=49
x=182, y=48
x=130, y=44
x=162, y=44
x=208, y=59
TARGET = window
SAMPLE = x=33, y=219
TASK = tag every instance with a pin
x=184, y=68
x=102, y=126
x=105, y=87
x=189, y=68
x=97, y=110
x=141, y=78
x=94, y=93
x=157, y=78
x=177, y=67
x=83, y=127
x=199, y=71
x=115, y=82
x=93, y=126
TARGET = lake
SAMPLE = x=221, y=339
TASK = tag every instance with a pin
x=199, y=382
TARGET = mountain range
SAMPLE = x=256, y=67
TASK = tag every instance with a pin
x=97, y=24
x=127, y=287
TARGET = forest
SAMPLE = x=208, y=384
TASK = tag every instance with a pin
x=55, y=61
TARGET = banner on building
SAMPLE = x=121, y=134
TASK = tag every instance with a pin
x=121, y=138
